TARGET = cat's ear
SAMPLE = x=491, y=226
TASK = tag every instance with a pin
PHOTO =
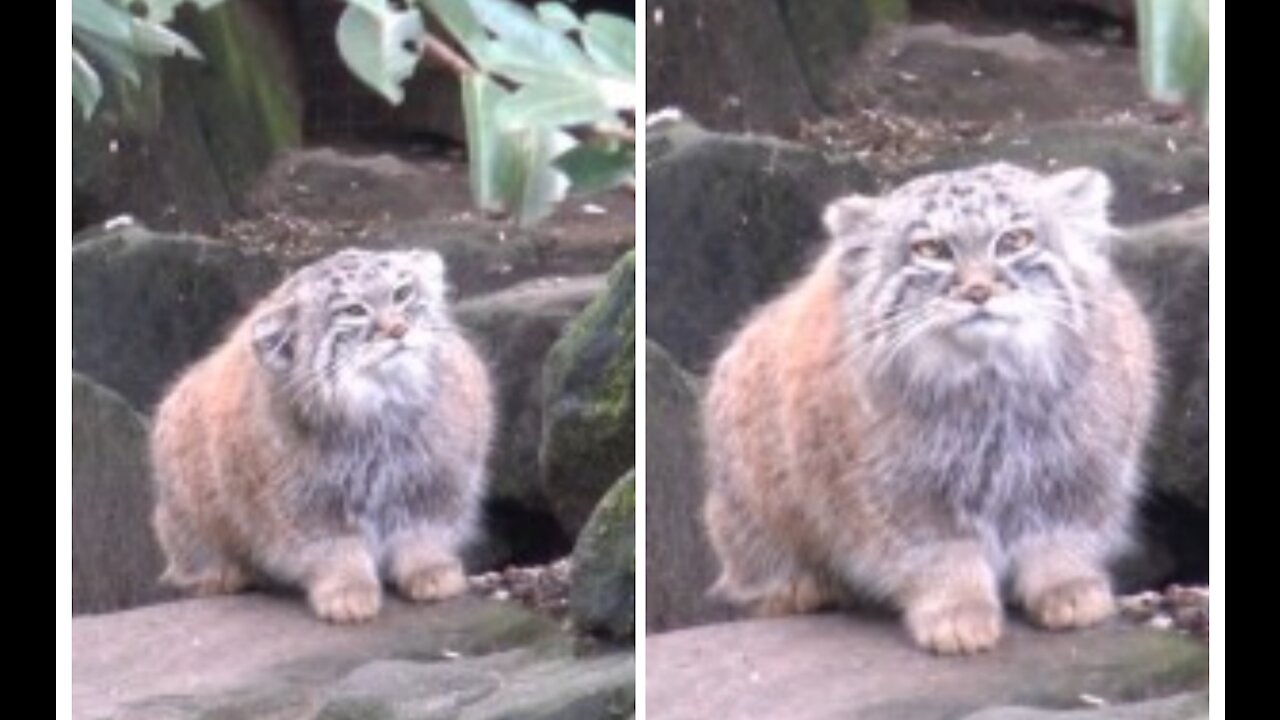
x=845, y=216
x=1082, y=192
x=275, y=337
x=430, y=268
x=1079, y=200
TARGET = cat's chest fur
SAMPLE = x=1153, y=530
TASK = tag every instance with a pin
x=1000, y=459
x=377, y=480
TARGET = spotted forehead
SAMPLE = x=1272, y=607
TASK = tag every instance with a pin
x=975, y=199
x=352, y=270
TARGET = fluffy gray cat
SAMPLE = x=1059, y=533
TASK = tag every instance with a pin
x=957, y=394
x=338, y=436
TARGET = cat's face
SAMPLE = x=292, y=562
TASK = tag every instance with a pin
x=987, y=265
x=355, y=331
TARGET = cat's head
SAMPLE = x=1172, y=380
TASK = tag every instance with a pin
x=986, y=267
x=354, y=331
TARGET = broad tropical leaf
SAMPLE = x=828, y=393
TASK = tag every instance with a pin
x=611, y=42
x=86, y=87
x=557, y=15
x=593, y=168
x=1174, y=36
x=380, y=44
x=558, y=104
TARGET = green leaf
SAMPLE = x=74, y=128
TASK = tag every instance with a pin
x=153, y=39
x=542, y=183
x=513, y=64
x=511, y=170
x=116, y=56
x=558, y=16
x=557, y=104
x=595, y=168
x=489, y=151
x=460, y=20
x=86, y=87
x=611, y=41
x=616, y=92
x=380, y=44
x=102, y=19
x=527, y=51
x=524, y=37
x=1174, y=37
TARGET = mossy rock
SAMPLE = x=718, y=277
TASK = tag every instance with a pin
x=602, y=596
x=588, y=412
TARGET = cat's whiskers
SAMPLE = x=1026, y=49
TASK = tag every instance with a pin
x=886, y=339
x=1060, y=313
x=905, y=337
x=303, y=390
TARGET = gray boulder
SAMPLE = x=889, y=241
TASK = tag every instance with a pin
x=115, y=561
x=679, y=563
x=588, y=420
x=834, y=666
x=212, y=658
x=602, y=596
x=1166, y=264
x=514, y=329
x=731, y=220
x=144, y=305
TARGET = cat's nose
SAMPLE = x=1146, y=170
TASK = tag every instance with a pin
x=977, y=293
x=393, y=325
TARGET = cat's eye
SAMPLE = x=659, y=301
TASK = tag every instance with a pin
x=352, y=311
x=403, y=294
x=1015, y=241
x=931, y=249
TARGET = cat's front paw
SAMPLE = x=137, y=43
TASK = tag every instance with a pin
x=433, y=582
x=956, y=628
x=796, y=597
x=1072, y=604
x=350, y=600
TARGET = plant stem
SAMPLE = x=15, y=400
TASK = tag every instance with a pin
x=447, y=56
x=625, y=134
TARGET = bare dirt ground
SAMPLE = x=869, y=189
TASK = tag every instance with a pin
x=314, y=201
x=956, y=76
